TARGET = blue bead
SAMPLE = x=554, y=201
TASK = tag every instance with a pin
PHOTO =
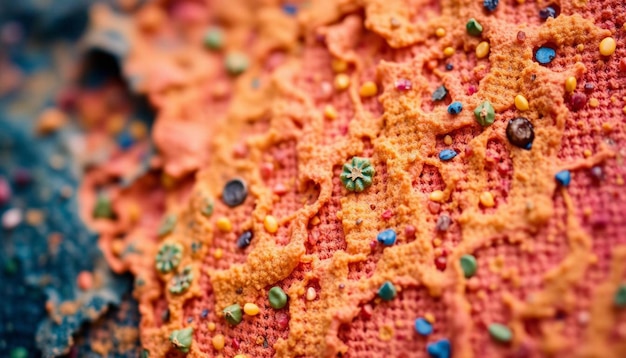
x=563, y=177
x=205, y=313
x=125, y=140
x=290, y=9
x=490, y=5
x=423, y=327
x=439, y=349
x=455, y=107
x=545, y=55
x=387, y=237
x=447, y=154
x=387, y=291
x=529, y=146
x=547, y=12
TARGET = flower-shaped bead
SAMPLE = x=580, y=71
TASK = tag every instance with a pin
x=168, y=257
x=357, y=175
x=181, y=281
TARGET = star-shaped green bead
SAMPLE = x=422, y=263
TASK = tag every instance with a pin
x=181, y=281
x=168, y=257
x=357, y=174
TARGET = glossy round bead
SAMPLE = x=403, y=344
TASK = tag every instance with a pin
x=271, y=224
x=578, y=101
x=440, y=32
x=403, y=84
x=520, y=132
x=439, y=349
x=224, y=224
x=218, y=342
x=236, y=63
x=620, y=296
x=245, y=239
x=251, y=309
x=423, y=327
x=500, y=332
x=564, y=177
x=387, y=237
x=448, y=51
x=387, y=291
x=486, y=199
x=277, y=297
x=570, y=84
x=521, y=103
x=490, y=5
x=368, y=89
x=214, y=39
x=447, y=154
x=342, y=81
x=234, y=193
x=436, y=195
x=338, y=65
x=545, y=55
x=311, y=294
x=482, y=50
x=330, y=112
x=607, y=46
x=455, y=107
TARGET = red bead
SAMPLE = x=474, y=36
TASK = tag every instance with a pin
x=578, y=101
x=441, y=263
x=409, y=231
x=266, y=170
x=279, y=189
x=521, y=36
x=434, y=207
x=282, y=319
x=366, y=311
x=373, y=245
x=236, y=344
x=403, y=84
x=387, y=214
x=622, y=65
x=471, y=90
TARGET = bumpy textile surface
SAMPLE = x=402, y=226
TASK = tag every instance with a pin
x=278, y=95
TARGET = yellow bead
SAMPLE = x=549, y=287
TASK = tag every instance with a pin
x=330, y=112
x=440, y=32
x=138, y=130
x=570, y=84
x=587, y=153
x=624, y=110
x=437, y=242
x=448, y=51
x=270, y=224
x=218, y=342
x=436, y=195
x=619, y=180
x=486, y=198
x=339, y=65
x=251, y=309
x=447, y=140
x=218, y=253
x=607, y=46
x=580, y=47
x=521, y=103
x=368, y=89
x=429, y=317
x=241, y=356
x=342, y=81
x=224, y=224
x=211, y=326
x=593, y=103
x=482, y=50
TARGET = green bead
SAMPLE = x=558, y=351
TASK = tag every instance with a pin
x=485, y=114
x=19, y=352
x=387, y=291
x=474, y=28
x=357, y=175
x=167, y=225
x=469, y=265
x=233, y=314
x=208, y=208
x=103, y=208
x=11, y=266
x=500, y=332
x=182, y=338
x=181, y=281
x=620, y=296
x=277, y=297
x=236, y=63
x=145, y=354
x=214, y=39
x=168, y=257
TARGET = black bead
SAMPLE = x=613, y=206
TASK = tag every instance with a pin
x=449, y=67
x=490, y=5
x=244, y=239
x=547, y=12
x=440, y=93
x=234, y=193
x=520, y=132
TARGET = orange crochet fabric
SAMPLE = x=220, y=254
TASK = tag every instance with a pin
x=551, y=258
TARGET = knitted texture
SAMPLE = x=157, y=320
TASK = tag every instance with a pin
x=550, y=256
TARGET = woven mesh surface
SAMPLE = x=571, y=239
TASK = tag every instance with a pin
x=550, y=258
